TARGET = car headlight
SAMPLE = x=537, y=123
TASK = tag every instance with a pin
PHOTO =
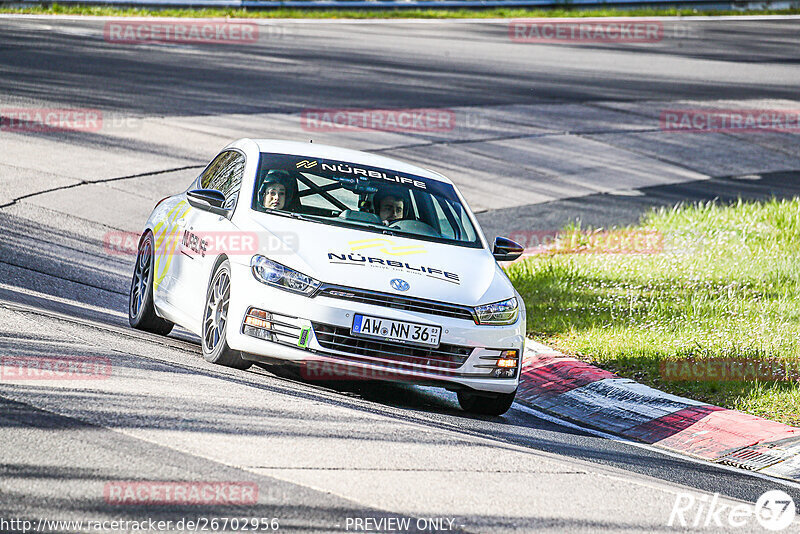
x=274, y=274
x=498, y=313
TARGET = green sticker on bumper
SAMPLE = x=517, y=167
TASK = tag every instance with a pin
x=305, y=335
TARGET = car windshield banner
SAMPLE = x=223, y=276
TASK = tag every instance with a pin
x=355, y=177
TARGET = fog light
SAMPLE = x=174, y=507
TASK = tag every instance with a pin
x=257, y=332
x=255, y=312
x=256, y=322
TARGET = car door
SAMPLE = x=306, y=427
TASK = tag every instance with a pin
x=167, y=231
x=205, y=235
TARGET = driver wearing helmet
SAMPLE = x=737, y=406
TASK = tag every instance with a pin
x=274, y=191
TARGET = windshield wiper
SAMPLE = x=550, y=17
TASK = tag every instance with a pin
x=290, y=214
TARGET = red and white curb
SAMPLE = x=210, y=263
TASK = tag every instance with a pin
x=576, y=391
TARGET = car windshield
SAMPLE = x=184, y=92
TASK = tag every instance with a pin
x=369, y=198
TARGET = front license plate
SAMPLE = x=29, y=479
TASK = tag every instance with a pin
x=398, y=331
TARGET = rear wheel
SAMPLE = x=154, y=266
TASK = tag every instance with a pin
x=141, y=312
x=215, y=321
x=485, y=403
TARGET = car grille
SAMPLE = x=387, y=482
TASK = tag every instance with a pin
x=339, y=338
x=388, y=300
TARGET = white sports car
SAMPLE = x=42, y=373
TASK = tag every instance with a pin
x=334, y=259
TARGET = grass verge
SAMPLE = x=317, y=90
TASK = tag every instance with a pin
x=313, y=13
x=725, y=285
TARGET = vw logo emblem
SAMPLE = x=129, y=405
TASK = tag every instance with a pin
x=399, y=284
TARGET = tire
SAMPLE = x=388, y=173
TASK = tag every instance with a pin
x=215, y=321
x=141, y=312
x=484, y=404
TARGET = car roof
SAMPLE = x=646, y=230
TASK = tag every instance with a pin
x=314, y=150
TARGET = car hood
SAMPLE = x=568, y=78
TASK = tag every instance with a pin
x=368, y=260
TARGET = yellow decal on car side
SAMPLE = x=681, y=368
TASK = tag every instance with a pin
x=167, y=233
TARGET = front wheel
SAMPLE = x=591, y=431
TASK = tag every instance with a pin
x=215, y=321
x=141, y=312
x=484, y=404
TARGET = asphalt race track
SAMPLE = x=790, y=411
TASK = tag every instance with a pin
x=542, y=134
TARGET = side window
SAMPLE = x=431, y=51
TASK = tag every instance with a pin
x=225, y=174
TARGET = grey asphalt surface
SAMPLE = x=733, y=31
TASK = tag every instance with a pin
x=546, y=133
x=294, y=66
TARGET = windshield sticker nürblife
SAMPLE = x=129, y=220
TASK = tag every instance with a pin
x=334, y=170
x=379, y=175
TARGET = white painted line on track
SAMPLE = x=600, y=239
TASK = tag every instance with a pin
x=599, y=433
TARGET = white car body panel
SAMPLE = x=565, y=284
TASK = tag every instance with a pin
x=334, y=255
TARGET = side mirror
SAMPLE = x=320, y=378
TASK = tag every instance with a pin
x=506, y=250
x=209, y=200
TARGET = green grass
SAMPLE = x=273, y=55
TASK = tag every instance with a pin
x=57, y=9
x=725, y=285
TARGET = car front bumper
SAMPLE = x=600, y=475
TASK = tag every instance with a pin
x=316, y=333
